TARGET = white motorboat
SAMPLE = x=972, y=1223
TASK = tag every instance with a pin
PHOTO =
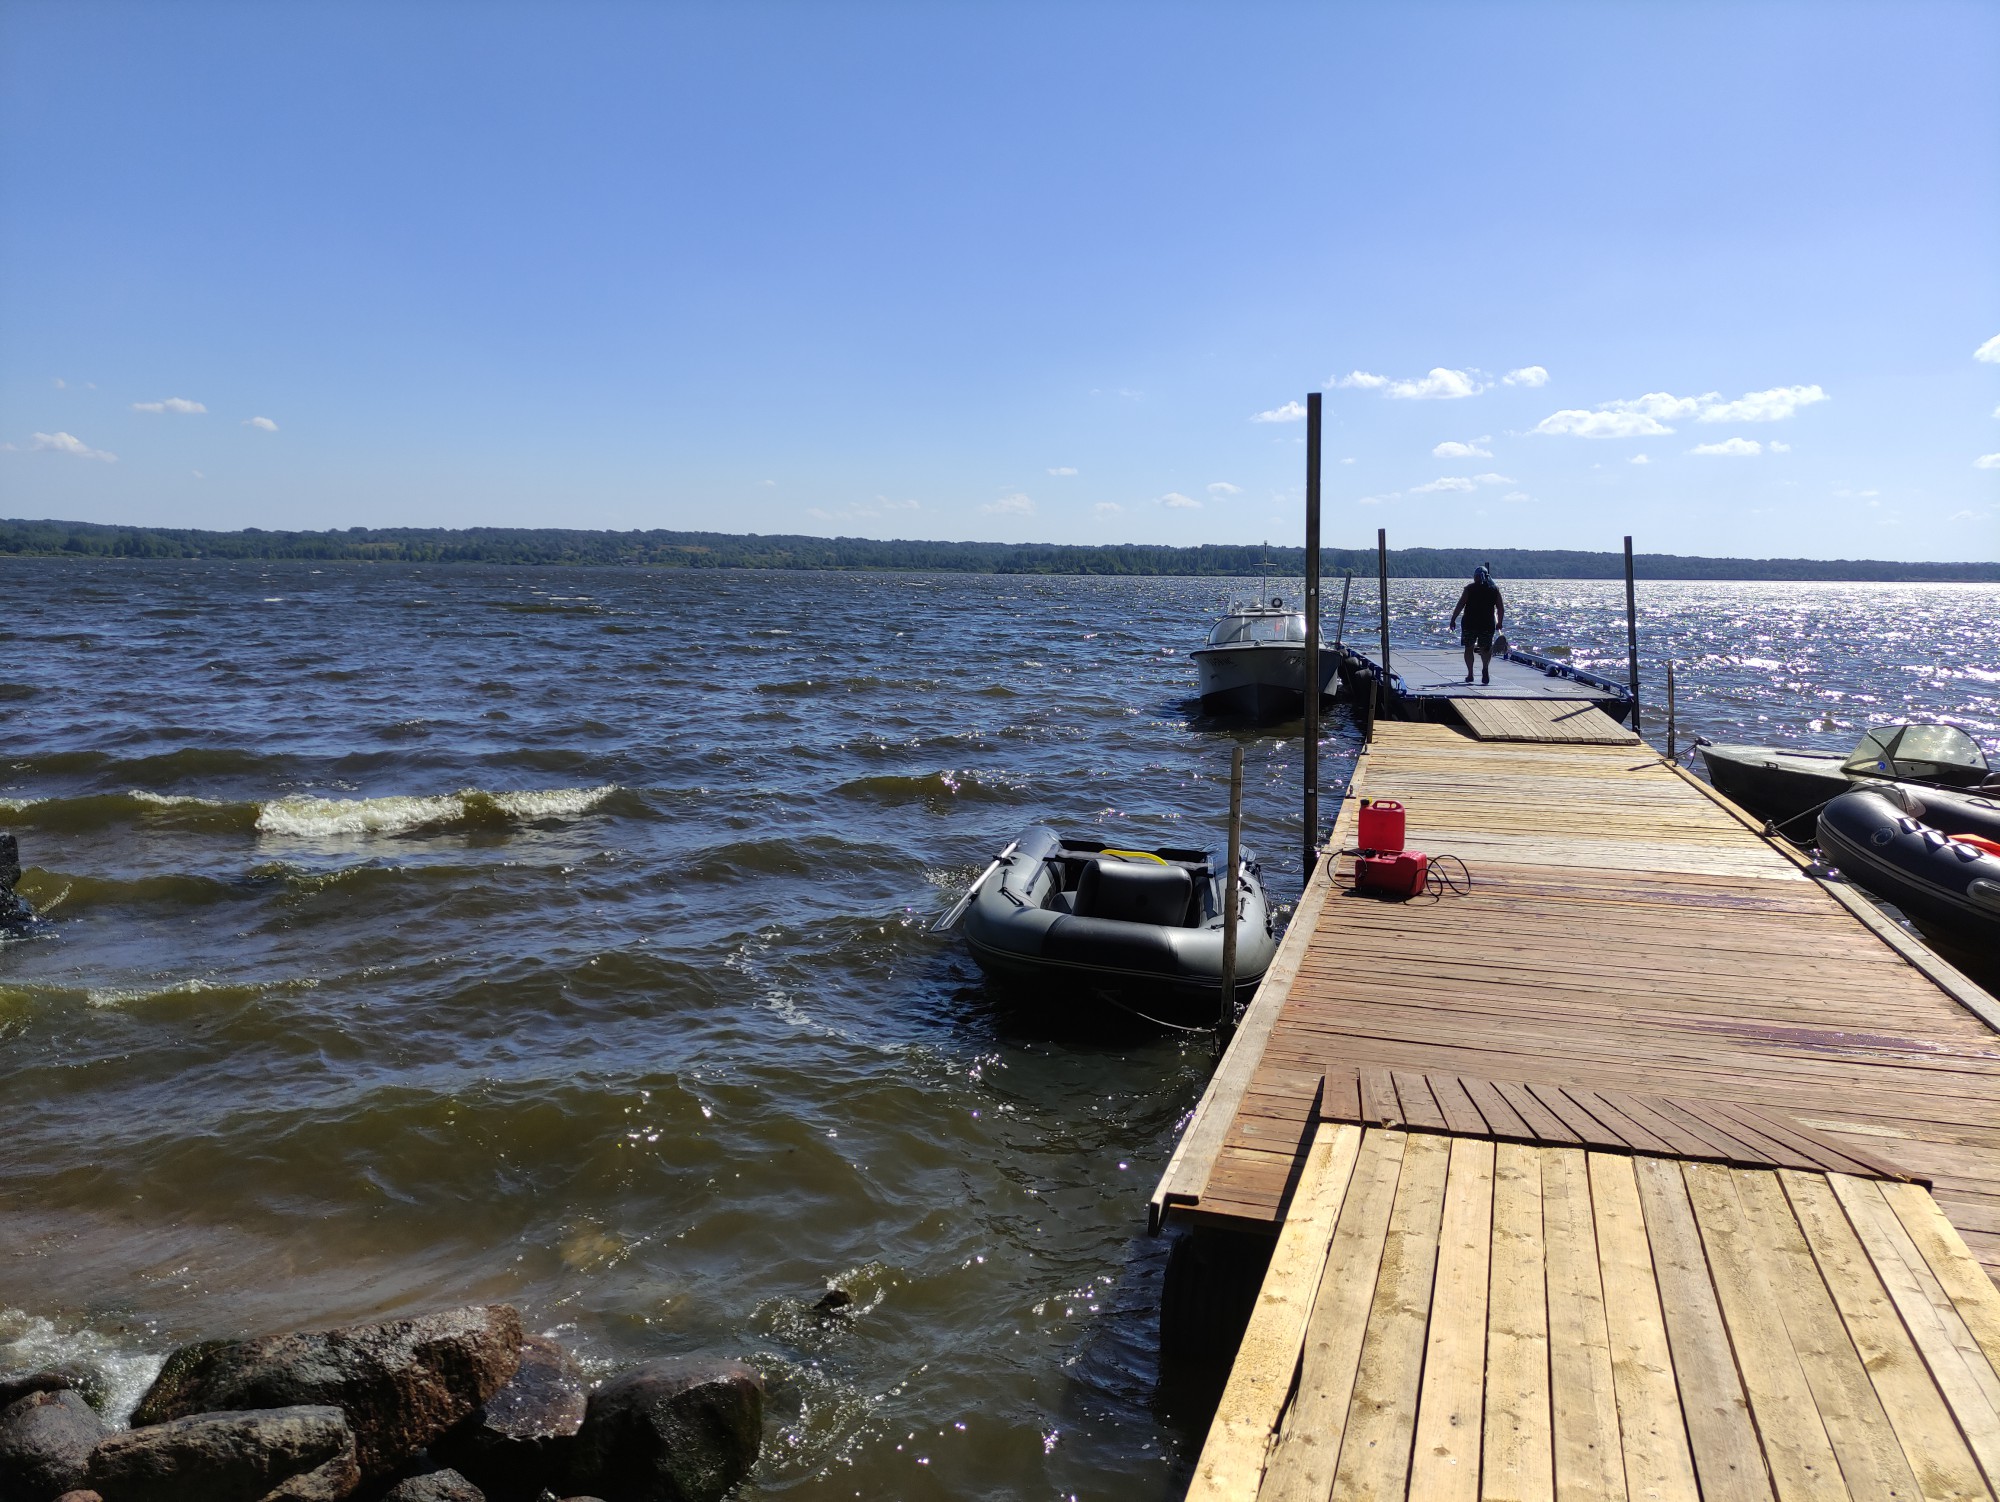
x=1254, y=663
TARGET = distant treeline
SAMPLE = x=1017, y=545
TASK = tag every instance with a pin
x=717, y=550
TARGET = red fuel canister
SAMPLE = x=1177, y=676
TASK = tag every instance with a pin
x=1381, y=825
x=1398, y=875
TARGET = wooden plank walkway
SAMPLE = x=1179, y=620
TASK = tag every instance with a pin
x=1626, y=932
x=1447, y=1317
x=1542, y=720
x=1430, y=672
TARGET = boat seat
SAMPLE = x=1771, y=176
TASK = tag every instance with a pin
x=1132, y=892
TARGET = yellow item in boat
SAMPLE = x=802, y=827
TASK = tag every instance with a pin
x=1135, y=855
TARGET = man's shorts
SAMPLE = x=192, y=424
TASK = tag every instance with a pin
x=1476, y=638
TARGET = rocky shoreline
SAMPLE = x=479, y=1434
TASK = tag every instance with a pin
x=455, y=1406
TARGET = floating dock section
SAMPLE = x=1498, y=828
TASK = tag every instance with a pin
x=1428, y=683
x=1656, y=1164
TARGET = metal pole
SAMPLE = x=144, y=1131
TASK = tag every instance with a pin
x=1382, y=570
x=1232, y=891
x=1631, y=635
x=1310, y=682
x=1346, y=587
x=1671, y=750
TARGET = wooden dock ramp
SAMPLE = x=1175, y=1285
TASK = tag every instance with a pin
x=1576, y=720
x=1448, y=1316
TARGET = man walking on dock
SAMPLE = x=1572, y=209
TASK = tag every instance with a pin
x=1485, y=612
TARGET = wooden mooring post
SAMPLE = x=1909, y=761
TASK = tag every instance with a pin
x=1346, y=588
x=1672, y=751
x=1631, y=635
x=1311, y=663
x=1225, y=1019
x=1382, y=573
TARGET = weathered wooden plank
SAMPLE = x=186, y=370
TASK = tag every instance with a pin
x=1232, y=1458
x=1588, y=1451
x=1301, y=1463
x=1445, y=1464
x=1544, y=1123
x=1944, y=1468
x=1972, y=1293
x=1413, y=1095
x=1871, y=1454
x=1956, y=1363
x=1796, y=1447
x=1382, y=1415
x=1341, y=1098
x=1502, y=1120
x=1460, y=1114
x=1517, y=1449
x=1378, y=1098
x=1729, y=1462
x=1653, y=1434
x=1626, y=1130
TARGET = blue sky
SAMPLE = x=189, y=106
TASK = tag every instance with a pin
x=1023, y=272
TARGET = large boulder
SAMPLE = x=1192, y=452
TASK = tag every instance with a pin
x=401, y=1383
x=45, y=1442
x=673, y=1430
x=518, y=1444
x=437, y=1486
x=295, y=1454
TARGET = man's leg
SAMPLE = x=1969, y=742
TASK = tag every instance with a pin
x=1485, y=661
x=1468, y=660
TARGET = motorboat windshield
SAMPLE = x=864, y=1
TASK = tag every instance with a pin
x=1922, y=752
x=1251, y=626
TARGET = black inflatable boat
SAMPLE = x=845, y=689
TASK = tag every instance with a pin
x=1889, y=841
x=1140, y=929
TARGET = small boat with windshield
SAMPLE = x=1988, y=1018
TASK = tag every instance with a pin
x=1254, y=663
x=1783, y=784
x=1138, y=930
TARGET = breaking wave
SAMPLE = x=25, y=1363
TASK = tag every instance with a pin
x=317, y=818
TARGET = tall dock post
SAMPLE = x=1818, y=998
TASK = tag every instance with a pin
x=1312, y=635
x=1382, y=571
x=1631, y=635
x=1672, y=750
x=1232, y=887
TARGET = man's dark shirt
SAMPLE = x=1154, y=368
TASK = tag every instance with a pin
x=1481, y=603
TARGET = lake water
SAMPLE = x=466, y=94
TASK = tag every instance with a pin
x=422, y=935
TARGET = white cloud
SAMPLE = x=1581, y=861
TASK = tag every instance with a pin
x=1290, y=412
x=1774, y=405
x=1989, y=351
x=1581, y=424
x=61, y=384
x=767, y=482
x=1638, y=459
x=171, y=404
x=1984, y=461
x=1173, y=500
x=1106, y=508
x=1016, y=504
x=1517, y=495
x=1062, y=469
x=1779, y=448
x=1451, y=449
x=1730, y=447
x=1647, y=416
x=67, y=443
x=260, y=422
x=1440, y=385
x=1460, y=483
x=1350, y=461
x=1376, y=500
x=1527, y=375
x=1223, y=487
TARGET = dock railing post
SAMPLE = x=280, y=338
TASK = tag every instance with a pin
x=1631, y=636
x=1311, y=663
x=1672, y=750
x=1382, y=572
x=1346, y=588
x=1225, y=1017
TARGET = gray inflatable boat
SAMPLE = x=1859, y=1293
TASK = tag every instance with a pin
x=1139, y=929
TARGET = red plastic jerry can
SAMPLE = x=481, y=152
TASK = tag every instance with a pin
x=1381, y=825
x=1398, y=875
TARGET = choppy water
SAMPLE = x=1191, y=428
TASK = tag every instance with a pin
x=422, y=934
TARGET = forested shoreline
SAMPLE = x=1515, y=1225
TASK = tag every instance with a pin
x=720, y=550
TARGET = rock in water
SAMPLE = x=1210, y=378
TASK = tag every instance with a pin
x=674, y=1430
x=298, y=1454
x=80, y=1496
x=439, y=1486
x=401, y=1383
x=45, y=1442
x=519, y=1443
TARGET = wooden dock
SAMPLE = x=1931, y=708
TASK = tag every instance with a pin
x=1428, y=683
x=1654, y=1111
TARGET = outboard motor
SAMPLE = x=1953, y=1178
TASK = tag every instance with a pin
x=12, y=908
